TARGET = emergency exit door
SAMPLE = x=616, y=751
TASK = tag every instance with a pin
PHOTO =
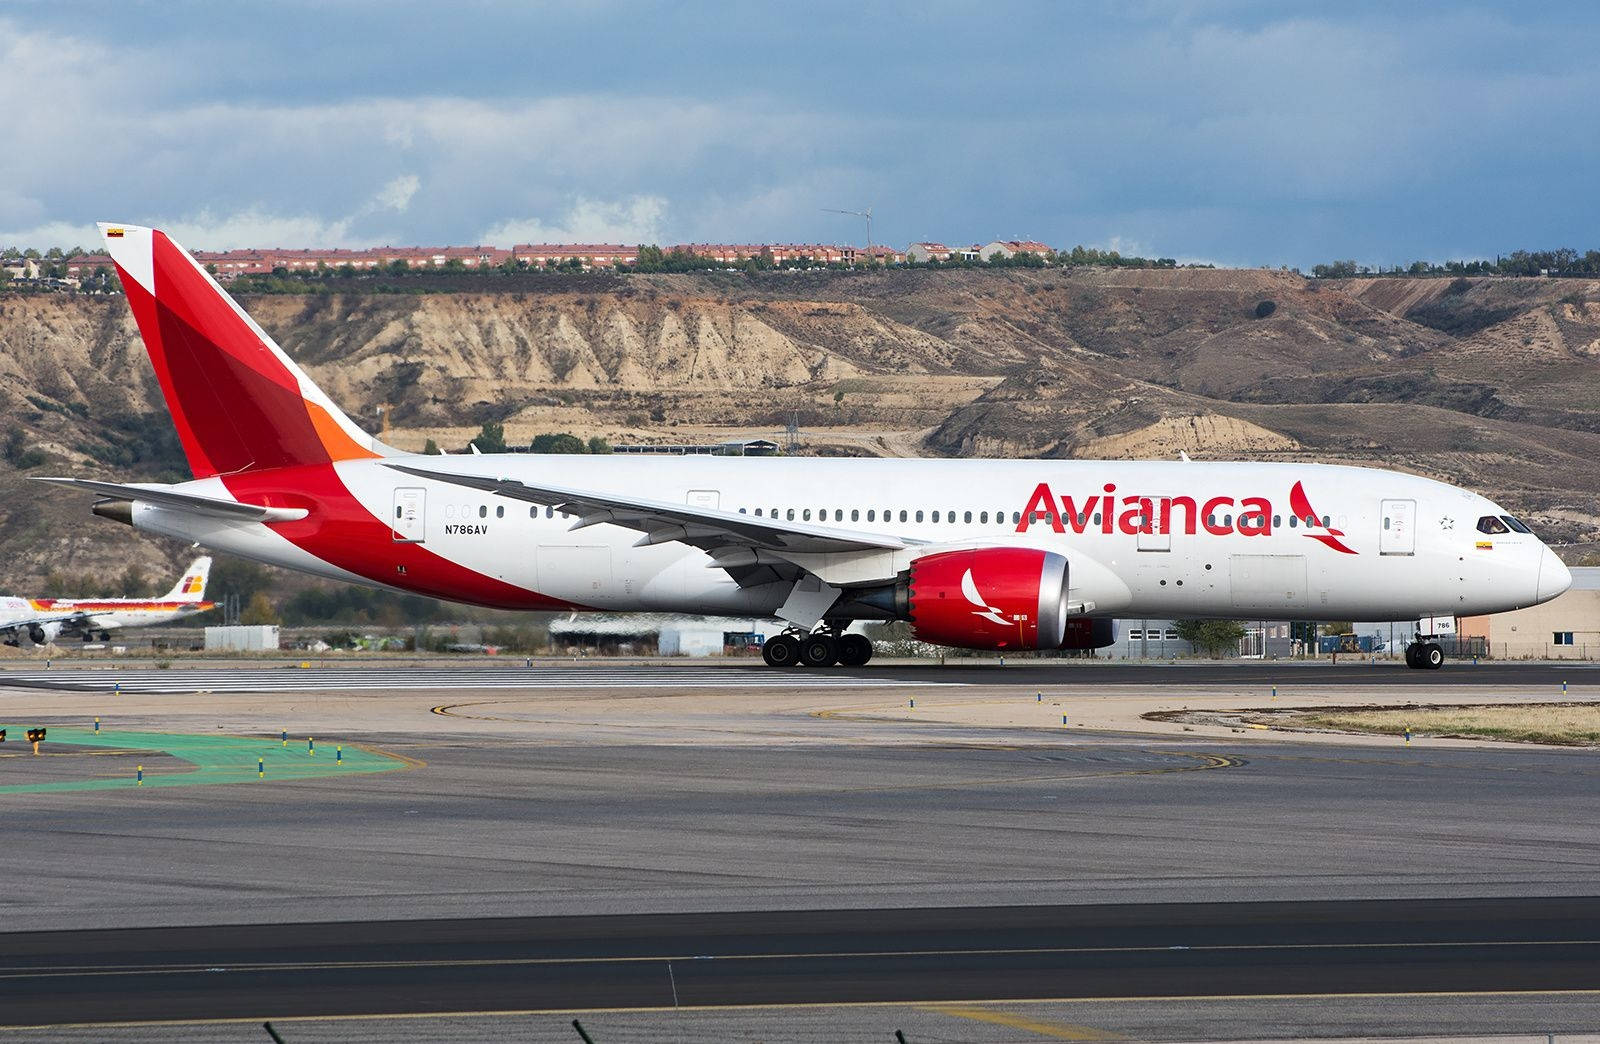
x=704, y=498
x=1399, y=533
x=409, y=521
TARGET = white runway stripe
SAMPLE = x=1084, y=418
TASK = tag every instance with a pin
x=391, y=679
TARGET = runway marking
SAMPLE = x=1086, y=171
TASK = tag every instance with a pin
x=214, y=759
x=384, y=679
x=55, y=971
x=1010, y=1020
x=482, y=1013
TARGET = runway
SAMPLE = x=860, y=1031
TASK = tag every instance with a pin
x=554, y=675
x=469, y=676
x=933, y=956
x=729, y=810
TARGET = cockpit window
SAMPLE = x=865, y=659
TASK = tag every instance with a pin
x=1490, y=524
x=1516, y=526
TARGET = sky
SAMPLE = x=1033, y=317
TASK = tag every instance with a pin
x=1228, y=131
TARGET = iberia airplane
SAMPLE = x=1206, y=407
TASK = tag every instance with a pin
x=44, y=619
x=986, y=554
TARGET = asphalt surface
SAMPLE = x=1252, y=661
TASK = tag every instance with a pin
x=927, y=955
x=493, y=826
x=560, y=674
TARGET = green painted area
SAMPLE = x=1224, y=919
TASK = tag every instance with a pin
x=216, y=759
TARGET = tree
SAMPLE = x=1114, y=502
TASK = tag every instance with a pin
x=430, y=448
x=559, y=442
x=598, y=445
x=491, y=438
x=1211, y=635
x=132, y=582
x=239, y=578
x=259, y=610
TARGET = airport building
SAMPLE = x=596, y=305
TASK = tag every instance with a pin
x=648, y=634
x=1565, y=628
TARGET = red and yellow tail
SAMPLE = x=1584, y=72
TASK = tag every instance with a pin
x=191, y=587
x=239, y=403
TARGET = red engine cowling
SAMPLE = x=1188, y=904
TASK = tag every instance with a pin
x=990, y=598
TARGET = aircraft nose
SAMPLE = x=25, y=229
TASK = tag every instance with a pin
x=1554, y=576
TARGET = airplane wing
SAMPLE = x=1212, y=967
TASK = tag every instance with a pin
x=165, y=496
x=65, y=619
x=735, y=541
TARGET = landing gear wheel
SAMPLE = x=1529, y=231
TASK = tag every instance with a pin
x=1424, y=656
x=819, y=650
x=781, y=650
x=854, y=650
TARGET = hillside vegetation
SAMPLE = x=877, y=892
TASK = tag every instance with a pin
x=1489, y=382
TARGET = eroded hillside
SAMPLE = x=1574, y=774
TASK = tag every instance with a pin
x=1488, y=382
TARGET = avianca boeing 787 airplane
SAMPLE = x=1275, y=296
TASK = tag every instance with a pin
x=985, y=554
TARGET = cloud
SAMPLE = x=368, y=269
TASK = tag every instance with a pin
x=396, y=195
x=638, y=219
x=1232, y=129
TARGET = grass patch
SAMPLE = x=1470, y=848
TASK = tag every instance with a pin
x=1567, y=724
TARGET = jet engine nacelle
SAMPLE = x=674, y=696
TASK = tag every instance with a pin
x=1084, y=633
x=989, y=598
x=43, y=634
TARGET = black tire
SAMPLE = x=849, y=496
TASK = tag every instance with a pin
x=1432, y=656
x=819, y=650
x=854, y=650
x=781, y=650
x=1412, y=659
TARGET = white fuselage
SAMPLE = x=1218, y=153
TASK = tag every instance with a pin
x=1379, y=544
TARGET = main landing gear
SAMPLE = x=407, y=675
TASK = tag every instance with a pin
x=1424, y=655
x=821, y=648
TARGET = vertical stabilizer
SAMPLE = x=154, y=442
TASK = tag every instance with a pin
x=239, y=403
x=192, y=588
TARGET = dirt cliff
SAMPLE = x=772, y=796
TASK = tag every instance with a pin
x=1485, y=382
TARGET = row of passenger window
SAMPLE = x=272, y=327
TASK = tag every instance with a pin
x=465, y=511
x=804, y=515
x=1085, y=519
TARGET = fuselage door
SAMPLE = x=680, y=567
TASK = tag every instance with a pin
x=1399, y=533
x=409, y=521
x=1152, y=535
x=710, y=499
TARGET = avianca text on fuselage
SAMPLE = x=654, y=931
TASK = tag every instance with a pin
x=1135, y=514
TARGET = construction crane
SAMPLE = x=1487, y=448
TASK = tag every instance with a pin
x=856, y=213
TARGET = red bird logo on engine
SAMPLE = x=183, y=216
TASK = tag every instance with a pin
x=969, y=590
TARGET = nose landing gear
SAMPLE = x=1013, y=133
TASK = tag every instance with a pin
x=1424, y=655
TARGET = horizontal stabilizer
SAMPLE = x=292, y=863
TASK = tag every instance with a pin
x=167, y=497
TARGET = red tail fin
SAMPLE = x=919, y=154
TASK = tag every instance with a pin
x=239, y=403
